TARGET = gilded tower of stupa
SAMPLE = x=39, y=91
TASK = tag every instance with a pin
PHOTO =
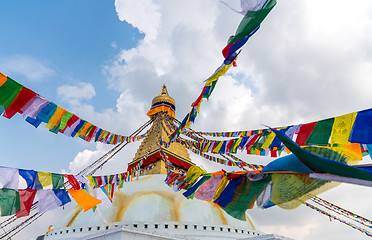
x=156, y=157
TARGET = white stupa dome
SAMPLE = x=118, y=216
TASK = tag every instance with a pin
x=149, y=206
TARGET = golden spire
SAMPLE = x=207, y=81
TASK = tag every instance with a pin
x=163, y=97
x=162, y=103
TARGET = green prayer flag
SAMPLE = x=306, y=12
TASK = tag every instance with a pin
x=9, y=202
x=321, y=133
x=251, y=21
x=8, y=91
x=246, y=193
x=58, y=181
x=64, y=120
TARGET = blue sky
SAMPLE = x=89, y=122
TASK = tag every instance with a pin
x=73, y=40
x=310, y=60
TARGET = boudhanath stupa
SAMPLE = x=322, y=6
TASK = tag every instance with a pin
x=147, y=208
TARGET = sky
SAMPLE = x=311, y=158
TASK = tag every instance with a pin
x=106, y=60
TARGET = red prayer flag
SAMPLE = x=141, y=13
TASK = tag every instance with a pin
x=19, y=101
x=304, y=133
x=72, y=181
x=253, y=140
x=197, y=101
x=91, y=133
x=229, y=144
x=26, y=198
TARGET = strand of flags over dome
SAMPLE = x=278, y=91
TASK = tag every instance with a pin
x=254, y=13
x=352, y=131
x=18, y=188
x=16, y=98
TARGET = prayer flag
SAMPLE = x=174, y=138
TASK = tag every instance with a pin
x=58, y=181
x=8, y=91
x=45, y=179
x=85, y=200
x=304, y=133
x=72, y=181
x=9, y=202
x=9, y=178
x=29, y=176
x=245, y=194
x=3, y=79
x=64, y=120
x=56, y=117
x=47, y=112
x=342, y=128
x=362, y=128
x=21, y=99
x=37, y=105
x=26, y=198
x=321, y=133
x=52, y=198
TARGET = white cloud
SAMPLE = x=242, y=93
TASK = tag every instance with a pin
x=74, y=94
x=86, y=157
x=145, y=17
x=26, y=66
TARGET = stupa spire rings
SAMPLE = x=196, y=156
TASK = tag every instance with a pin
x=162, y=103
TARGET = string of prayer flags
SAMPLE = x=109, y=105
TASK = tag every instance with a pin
x=255, y=14
x=15, y=98
x=344, y=212
x=338, y=219
x=351, y=131
x=18, y=188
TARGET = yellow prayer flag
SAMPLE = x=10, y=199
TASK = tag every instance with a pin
x=352, y=151
x=236, y=145
x=92, y=183
x=54, y=120
x=221, y=186
x=221, y=71
x=217, y=149
x=85, y=200
x=341, y=128
x=45, y=178
x=206, y=147
x=120, y=180
x=268, y=141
